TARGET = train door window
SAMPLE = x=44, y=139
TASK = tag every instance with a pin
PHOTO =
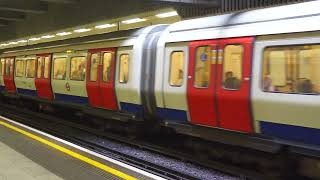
x=292, y=69
x=94, y=67
x=78, y=68
x=124, y=68
x=8, y=67
x=202, y=67
x=232, y=66
x=11, y=66
x=19, y=68
x=30, y=68
x=2, y=66
x=106, y=71
x=59, y=68
x=176, y=68
x=46, y=67
x=39, y=67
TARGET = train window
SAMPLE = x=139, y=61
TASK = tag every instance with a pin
x=176, y=68
x=78, y=68
x=291, y=69
x=2, y=66
x=106, y=71
x=94, y=67
x=39, y=67
x=124, y=68
x=30, y=68
x=202, y=67
x=59, y=68
x=19, y=68
x=46, y=67
x=232, y=66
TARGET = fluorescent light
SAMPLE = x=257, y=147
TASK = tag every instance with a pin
x=82, y=30
x=64, y=33
x=102, y=26
x=34, y=39
x=22, y=41
x=48, y=36
x=135, y=20
x=13, y=42
x=167, y=14
x=4, y=44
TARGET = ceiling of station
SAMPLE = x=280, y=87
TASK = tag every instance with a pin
x=21, y=18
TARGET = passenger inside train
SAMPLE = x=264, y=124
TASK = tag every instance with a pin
x=231, y=82
x=292, y=69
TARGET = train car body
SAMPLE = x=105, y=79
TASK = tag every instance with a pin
x=248, y=79
x=195, y=58
x=83, y=75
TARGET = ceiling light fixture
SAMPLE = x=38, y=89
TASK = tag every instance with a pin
x=102, y=26
x=34, y=39
x=135, y=20
x=167, y=14
x=63, y=33
x=82, y=30
x=22, y=41
x=13, y=42
x=48, y=36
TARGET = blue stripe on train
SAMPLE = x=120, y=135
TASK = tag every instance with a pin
x=133, y=108
x=172, y=114
x=27, y=92
x=70, y=98
x=290, y=132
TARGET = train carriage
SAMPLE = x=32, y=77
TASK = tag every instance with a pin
x=2, y=67
x=211, y=72
x=97, y=77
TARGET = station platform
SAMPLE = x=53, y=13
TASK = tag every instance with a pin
x=28, y=154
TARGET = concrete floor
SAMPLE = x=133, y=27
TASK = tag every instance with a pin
x=23, y=158
x=15, y=166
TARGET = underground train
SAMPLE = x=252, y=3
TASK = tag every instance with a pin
x=249, y=79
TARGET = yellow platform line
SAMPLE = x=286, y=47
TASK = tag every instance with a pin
x=71, y=153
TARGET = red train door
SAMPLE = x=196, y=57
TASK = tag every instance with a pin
x=43, y=77
x=8, y=77
x=233, y=84
x=201, y=82
x=219, y=83
x=100, y=78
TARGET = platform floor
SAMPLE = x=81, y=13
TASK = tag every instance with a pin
x=22, y=157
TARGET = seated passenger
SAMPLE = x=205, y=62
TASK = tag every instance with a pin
x=230, y=81
x=267, y=83
x=306, y=86
x=59, y=74
x=106, y=74
x=179, y=79
x=79, y=74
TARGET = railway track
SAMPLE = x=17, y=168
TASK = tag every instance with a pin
x=95, y=139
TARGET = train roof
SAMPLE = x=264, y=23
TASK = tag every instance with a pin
x=299, y=17
x=114, y=39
